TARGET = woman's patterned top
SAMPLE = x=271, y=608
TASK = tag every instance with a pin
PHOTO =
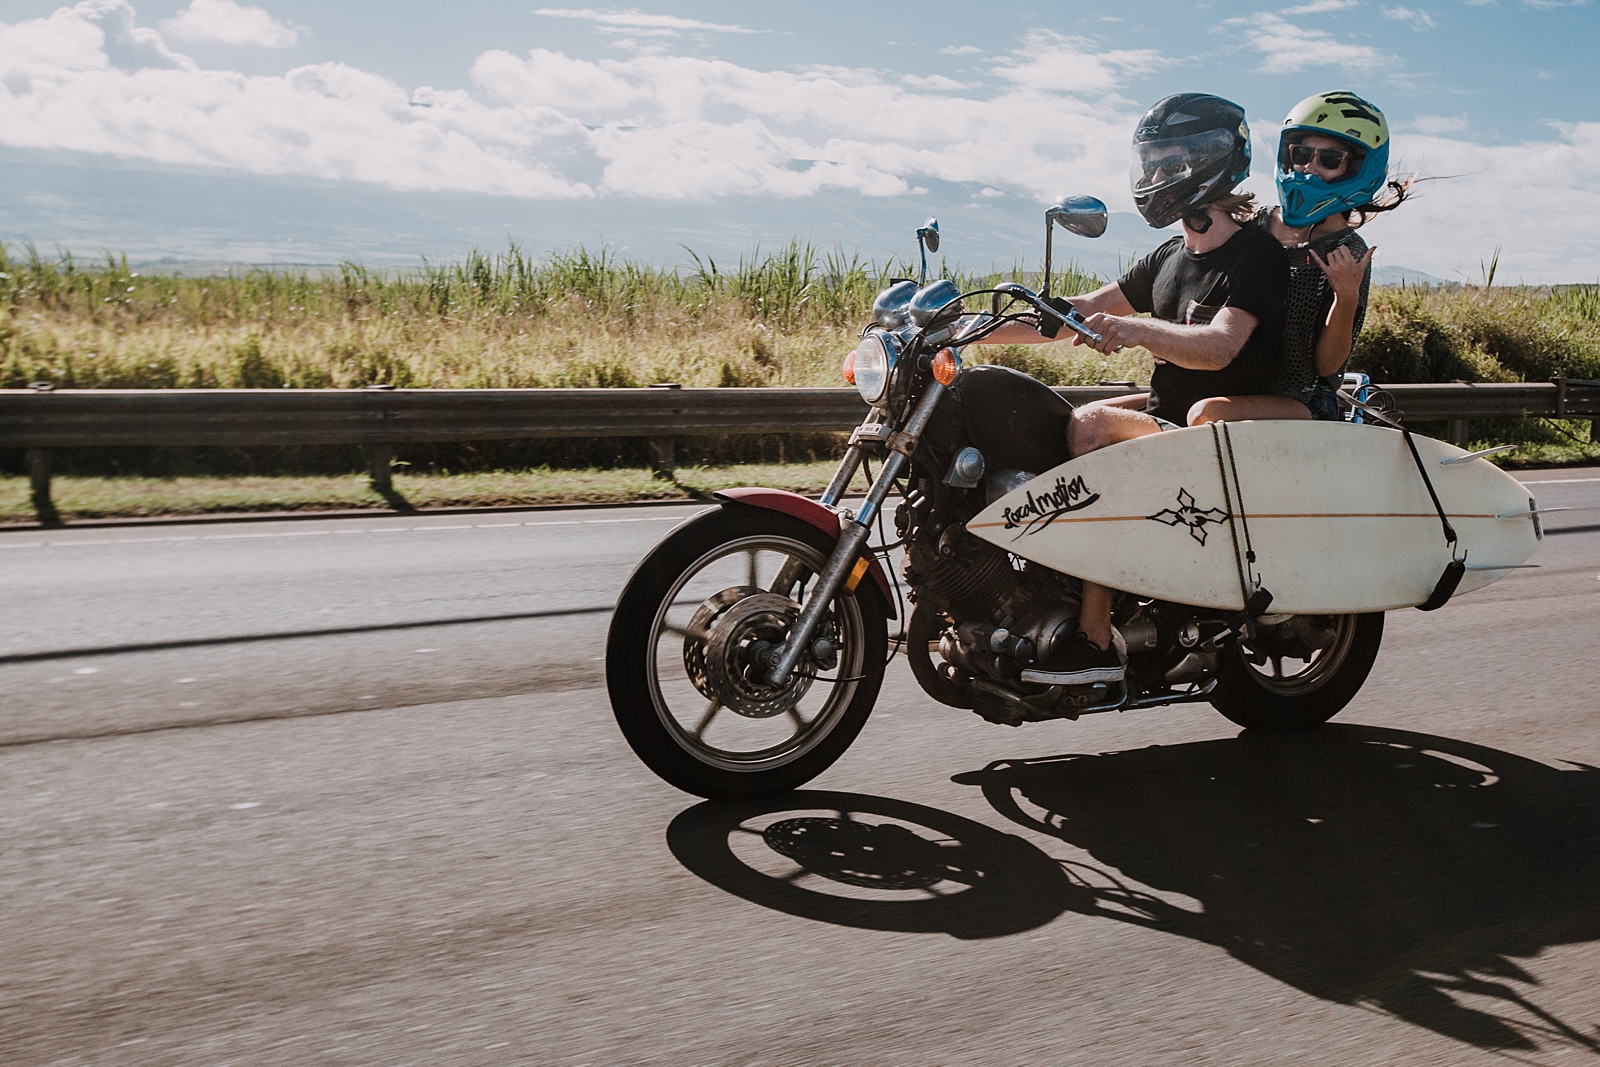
x=1310, y=299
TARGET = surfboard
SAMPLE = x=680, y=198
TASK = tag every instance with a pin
x=1331, y=518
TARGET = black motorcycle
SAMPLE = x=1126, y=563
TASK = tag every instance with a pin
x=748, y=647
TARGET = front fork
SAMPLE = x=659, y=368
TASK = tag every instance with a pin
x=853, y=531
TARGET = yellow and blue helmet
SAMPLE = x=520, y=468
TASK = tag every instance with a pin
x=1307, y=199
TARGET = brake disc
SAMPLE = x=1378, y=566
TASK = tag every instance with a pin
x=735, y=669
x=699, y=632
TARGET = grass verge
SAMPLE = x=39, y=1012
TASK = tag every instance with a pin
x=132, y=498
x=1541, y=443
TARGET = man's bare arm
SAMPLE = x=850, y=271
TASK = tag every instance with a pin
x=1106, y=300
x=1209, y=347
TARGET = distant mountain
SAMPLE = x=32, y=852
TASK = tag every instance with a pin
x=183, y=220
x=1403, y=276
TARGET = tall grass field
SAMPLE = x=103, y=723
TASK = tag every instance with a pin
x=582, y=318
x=590, y=319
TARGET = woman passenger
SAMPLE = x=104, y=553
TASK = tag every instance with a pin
x=1333, y=160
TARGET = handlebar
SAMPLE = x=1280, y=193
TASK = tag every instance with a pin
x=1028, y=296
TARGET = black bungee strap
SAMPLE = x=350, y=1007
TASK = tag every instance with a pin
x=1256, y=599
x=1457, y=567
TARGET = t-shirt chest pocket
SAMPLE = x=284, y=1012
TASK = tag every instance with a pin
x=1198, y=314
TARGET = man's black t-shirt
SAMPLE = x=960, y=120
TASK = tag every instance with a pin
x=1249, y=272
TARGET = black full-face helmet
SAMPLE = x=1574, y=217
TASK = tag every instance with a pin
x=1189, y=150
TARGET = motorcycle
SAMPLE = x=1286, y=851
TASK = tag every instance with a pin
x=748, y=648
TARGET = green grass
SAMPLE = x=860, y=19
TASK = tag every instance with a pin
x=579, y=318
x=574, y=319
x=1543, y=442
x=1479, y=334
x=103, y=498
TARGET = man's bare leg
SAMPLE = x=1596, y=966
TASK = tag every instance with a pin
x=1095, y=426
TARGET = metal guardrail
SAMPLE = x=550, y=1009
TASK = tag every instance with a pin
x=379, y=419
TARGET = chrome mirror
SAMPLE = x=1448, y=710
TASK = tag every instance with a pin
x=1082, y=215
x=927, y=241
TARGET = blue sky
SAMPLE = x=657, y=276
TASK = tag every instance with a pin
x=723, y=124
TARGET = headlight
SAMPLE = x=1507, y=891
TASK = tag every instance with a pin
x=875, y=357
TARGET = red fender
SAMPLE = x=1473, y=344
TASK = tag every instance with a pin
x=807, y=510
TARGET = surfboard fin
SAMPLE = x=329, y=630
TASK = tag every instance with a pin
x=1447, y=585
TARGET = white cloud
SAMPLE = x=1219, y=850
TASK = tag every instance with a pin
x=1288, y=48
x=545, y=125
x=73, y=40
x=1436, y=124
x=1050, y=62
x=1419, y=19
x=931, y=81
x=960, y=50
x=59, y=90
x=632, y=20
x=225, y=22
x=1548, y=228
x=1552, y=5
x=1317, y=7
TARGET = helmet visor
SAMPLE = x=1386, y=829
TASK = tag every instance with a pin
x=1158, y=165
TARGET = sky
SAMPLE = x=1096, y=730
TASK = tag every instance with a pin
x=294, y=131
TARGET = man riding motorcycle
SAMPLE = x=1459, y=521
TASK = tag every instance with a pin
x=1216, y=295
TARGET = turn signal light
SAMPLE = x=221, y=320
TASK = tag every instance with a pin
x=849, y=368
x=945, y=365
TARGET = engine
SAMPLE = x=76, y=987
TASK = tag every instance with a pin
x=989, y=613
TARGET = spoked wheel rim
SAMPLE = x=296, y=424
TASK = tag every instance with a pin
x=723, y=608
x=1291, y=676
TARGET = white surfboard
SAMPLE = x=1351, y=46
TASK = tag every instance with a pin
x=1336, y=515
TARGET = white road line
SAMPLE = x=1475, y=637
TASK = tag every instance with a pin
x=1562, y=481
x=324, y=533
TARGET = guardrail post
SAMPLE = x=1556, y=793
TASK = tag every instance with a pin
x=1458, y=433
x=380, y=470
x=39, y=483
x=663, y=456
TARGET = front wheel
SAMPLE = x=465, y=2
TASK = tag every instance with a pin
x=684, y=664
x=1298, y=673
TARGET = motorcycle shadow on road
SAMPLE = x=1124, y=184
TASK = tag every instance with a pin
x=1395, y=871
x=1398, y=872
x=873, y=863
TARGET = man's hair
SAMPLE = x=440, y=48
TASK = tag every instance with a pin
x=1241, y=207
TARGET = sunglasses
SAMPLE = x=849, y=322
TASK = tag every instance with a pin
x=1166, y=167
x=1301, y=155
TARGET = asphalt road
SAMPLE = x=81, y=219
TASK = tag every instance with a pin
x=348, y=792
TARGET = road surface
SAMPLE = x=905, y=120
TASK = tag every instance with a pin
x=347, y=791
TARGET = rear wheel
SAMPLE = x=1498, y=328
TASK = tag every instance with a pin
x=1298, y=673
x=684, y=664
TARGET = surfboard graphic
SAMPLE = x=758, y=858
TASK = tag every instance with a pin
x=1330, y=517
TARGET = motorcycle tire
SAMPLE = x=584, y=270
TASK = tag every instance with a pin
x=1309, y=698
x=654, y=680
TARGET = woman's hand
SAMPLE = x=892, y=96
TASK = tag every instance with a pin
x=1344, y=272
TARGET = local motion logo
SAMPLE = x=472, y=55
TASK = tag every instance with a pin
x=1042, y=509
